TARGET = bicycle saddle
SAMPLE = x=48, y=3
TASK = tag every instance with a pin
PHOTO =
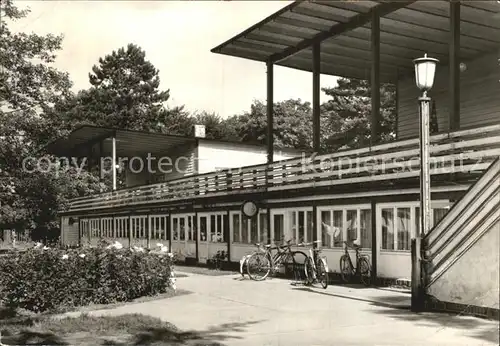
x=265, y=245
x=352, y=245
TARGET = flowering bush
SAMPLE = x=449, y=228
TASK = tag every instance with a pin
x=45, y=279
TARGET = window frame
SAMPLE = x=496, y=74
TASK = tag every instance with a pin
x=412, y=205
x=343, y=209
x=239, y=214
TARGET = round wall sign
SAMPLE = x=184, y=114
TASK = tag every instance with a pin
x=249, y=209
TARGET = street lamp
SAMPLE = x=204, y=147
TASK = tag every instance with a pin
x=425, y=69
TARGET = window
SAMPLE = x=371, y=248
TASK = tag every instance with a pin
x=338, y=226
x=325, y=225
x=175, y=228
x=279, y=227
x=366, y=228
x=254, y=232
x=216, y=228
x=189, y=229
x=299, y=226
x=264, y=233
x=438, y=214
x=245, y=222
x=249, y=231
x=400, y=224
x=309, y=231
x=352, y=224
x=403, y=228
x=158, y=227
x=388, y=229
x=236, y=228
x=182, y=228
x=203, y=228
x=213, y=228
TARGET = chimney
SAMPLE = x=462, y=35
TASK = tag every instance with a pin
x=199, y=131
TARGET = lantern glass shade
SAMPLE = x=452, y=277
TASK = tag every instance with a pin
x=425, y=69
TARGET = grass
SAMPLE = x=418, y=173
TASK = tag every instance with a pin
x=26, y=328
x=129, y=329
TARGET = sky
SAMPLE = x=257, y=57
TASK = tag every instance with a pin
x=177, y=37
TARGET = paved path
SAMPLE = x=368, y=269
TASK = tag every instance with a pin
x=232, y=311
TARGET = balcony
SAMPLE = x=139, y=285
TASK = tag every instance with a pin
x=463, y=153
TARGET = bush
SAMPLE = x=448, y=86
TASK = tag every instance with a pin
x=43, y=279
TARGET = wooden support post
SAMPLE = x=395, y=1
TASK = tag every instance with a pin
x=374, y=241
x=268, y=211
x=89, y=158
x=417, y=300
x=227, y=236
x=100, y=160
x=270, y=115
x=315, y=97
x=168, y=234
x=195, y=222
x=130, y=236
x=113, y=167
x=149, y=232
x=315, y=225
x=454, y=82
x=375, y=78
x=396, y=125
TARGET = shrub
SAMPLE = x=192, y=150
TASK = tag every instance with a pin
x=43, y=279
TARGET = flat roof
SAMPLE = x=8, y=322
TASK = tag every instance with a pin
x=128, y=142
x=131, y=142
x=408, y=29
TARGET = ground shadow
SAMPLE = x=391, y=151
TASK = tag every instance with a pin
x=384, y=301
x=11, y=321
x=486, y=330
x=24, y=330
x=27, y=337
x=213, y=336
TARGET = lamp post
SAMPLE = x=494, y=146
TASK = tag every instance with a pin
x=425, y=69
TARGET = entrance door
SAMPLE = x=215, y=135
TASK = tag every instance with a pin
x=183, y=242
x=211, y=235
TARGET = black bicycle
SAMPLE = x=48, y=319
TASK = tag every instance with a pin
x=262, y=263
x=316, y=268
x=362, y=269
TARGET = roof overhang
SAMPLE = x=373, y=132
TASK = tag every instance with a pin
x=129, y=143
x=408, y=29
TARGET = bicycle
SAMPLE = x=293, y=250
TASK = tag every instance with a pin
x=268, y=263
x=363, y=267
x=315, y=268
x=244, y=259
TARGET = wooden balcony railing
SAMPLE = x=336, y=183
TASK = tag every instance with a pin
x=464, y=151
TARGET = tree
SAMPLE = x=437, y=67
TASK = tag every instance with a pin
x=177, y=121
x=29, y=86
x=292, y=124
x=124, y=94
x=348, y=113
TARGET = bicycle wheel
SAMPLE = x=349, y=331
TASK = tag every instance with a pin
x=365, y=271
x=345, y=269
x=308, y=271
x=294, y=264
x=322, y=272
x=258, y=266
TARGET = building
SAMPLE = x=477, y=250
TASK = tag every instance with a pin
x=369, y=194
